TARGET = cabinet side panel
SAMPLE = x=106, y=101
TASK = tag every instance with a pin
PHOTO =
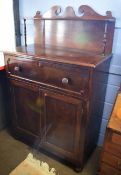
x=97, y=98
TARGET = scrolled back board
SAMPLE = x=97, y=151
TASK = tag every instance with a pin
x=89, y=31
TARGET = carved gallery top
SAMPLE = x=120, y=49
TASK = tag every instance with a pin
x=62, y=36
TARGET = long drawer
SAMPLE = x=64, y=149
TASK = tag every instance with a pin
x=113, y=143
x=59, y=75
x=111, y=160
x=108, y=170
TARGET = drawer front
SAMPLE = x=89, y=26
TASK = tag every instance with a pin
x=111, y=160
x=59, y=75
x=116, y=138
x=113, y=149
x=112, y=143
x=108, y=170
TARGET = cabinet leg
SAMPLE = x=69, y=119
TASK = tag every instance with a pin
x=77, y=169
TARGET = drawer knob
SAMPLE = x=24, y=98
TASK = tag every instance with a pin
x=82, y=92
x=65, y=80
x=17, y=68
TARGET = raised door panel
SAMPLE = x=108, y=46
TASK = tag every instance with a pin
x=27, y=104
x=61, y=125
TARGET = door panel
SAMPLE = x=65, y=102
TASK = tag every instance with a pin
x=61, y=124
x=27, y=108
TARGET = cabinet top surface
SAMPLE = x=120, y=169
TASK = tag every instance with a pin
x=58, y=54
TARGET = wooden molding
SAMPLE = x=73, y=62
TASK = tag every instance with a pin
x=88, y=12
x=38, y=15
x=53, y=12
x=85, y=12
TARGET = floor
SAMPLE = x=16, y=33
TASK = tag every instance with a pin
x=12, y=152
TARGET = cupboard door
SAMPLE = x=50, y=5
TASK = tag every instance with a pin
x=61, y=125
x=27, y=105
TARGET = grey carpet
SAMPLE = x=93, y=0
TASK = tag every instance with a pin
x=13, y=152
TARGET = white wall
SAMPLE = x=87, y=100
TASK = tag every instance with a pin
x=7, y=42
x=29, y=9
x=7, y=36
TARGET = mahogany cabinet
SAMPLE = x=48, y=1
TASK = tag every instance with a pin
x=55, y=83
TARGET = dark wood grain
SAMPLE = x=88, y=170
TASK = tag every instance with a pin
x=52, y=74
x=28, y=115
x=71, y=31
x=63, y=114
x=60, y=54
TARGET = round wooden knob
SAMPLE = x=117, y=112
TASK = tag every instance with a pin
x=82, y=92
x=65, y=80
x=17, y=68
